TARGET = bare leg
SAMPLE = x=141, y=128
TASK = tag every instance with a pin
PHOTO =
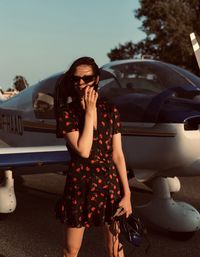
x=73, y=241
x=112, y=241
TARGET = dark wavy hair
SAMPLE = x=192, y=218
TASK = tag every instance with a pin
x=65, y=88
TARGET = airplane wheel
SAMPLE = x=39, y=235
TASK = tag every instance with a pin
x=182, y=236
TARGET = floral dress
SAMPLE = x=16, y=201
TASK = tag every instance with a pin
x=92, y=190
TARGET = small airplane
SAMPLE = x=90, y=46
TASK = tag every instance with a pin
x=159, y=105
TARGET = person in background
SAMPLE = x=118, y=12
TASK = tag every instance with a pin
x=96, y=184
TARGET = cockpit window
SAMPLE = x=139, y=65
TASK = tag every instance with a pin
x=44, y=106
x=109, y=86
x=148, y=78
x=138, y=78
x=43, y=99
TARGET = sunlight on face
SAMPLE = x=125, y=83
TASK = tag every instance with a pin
x=83, y=76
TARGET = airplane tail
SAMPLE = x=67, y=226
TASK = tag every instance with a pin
x=196, y=47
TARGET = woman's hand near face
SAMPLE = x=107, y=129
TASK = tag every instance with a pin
x=90, y=99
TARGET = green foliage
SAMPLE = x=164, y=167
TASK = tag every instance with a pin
x=167, y=25
x=125, y=51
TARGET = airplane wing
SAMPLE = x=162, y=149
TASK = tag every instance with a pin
x=13, y=157
x=196, y=48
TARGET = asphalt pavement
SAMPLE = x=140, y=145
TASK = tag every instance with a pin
x=33, y=231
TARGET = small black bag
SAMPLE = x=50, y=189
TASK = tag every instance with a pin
x=133, y=230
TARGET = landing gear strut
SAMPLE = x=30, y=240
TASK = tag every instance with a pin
x=165, y=213
x=7, y=194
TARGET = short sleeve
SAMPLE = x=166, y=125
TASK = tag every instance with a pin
x=116, y=120
x=67, y=122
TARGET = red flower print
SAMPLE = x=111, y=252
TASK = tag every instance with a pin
x=64, y=132
x=78, y=169
x=74, y=202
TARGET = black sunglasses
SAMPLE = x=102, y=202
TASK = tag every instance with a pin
x=86, y=79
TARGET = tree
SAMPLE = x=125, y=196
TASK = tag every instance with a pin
x=20, y=83
x=167, y=25
x=123, y=51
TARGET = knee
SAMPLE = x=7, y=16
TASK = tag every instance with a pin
x=70, y=251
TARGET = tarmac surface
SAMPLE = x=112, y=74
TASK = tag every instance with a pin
x=33, y=231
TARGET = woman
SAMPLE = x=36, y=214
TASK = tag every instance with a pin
x=96, y=184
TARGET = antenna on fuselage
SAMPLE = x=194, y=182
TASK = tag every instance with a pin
x=196, y=48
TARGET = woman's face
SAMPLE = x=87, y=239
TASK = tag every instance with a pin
x=83, y=77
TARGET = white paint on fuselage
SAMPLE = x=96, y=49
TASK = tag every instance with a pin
x=164, y=155
x=160, y=149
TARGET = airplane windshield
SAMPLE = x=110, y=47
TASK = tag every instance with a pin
x=149, y=77
x=147, y=87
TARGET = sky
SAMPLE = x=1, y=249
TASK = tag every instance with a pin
x=39, y=38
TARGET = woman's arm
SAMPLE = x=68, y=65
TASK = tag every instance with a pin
x=119, y=160
x=82, y=142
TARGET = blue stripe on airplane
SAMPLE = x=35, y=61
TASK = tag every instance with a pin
x=11, y=160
